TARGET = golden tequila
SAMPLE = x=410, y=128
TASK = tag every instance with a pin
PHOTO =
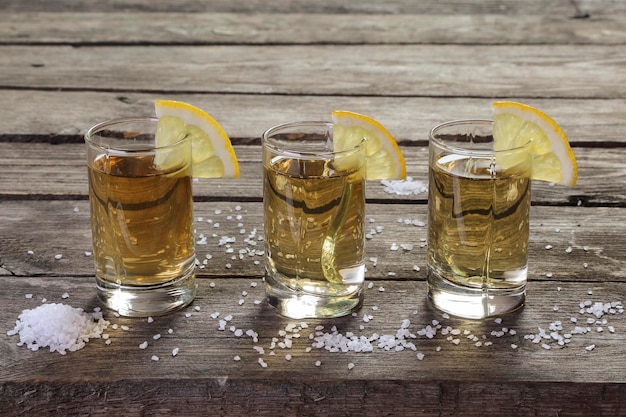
x=314, y=226
x=478, y=223
x=142, y=220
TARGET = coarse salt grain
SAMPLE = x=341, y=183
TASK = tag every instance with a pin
x=404, y=187
x=60, y=327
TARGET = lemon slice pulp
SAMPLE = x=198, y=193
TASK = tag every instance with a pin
x=384, y=159
x=212, y=154
x=516, y=124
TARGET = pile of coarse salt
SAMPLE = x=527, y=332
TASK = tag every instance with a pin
x=404, y=187
x=58, y=326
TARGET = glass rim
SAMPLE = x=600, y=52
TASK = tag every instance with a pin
x=464, y=150
x=266, y=141
x=91, y=134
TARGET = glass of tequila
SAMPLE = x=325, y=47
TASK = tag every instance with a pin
x=314, y=205
x=478, y=221
x=141, y=218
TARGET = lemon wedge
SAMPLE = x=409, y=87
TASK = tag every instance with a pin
x=212, y=154
x=384, y=158
x=516, y=124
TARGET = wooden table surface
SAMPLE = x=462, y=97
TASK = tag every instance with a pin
x=66, y=65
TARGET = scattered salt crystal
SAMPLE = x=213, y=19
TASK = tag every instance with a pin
x=262, y=363
x=58, y=256
x=318, y=363
x=170, y=331
x=143, y=345
x=88, y=253
x=236, y=358
x=157, y=336
x=420, y=356
x=29, y=296
x=590, y=348
x=288, y=357
x=350, y=366
x=175, y=351
x=548, y=247
x=155, y=358
x=404, y=187
x=30, y=252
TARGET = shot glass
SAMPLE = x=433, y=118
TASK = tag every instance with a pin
x=478, y=221
x=314, y=207
x=141, y=218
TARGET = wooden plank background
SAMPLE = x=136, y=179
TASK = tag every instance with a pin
x=64, y=66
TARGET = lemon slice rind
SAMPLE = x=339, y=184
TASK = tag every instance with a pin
x=552, y=157
x=384, y=157
x=213, y=155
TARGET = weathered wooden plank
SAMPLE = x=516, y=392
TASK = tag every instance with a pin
x=65, y=115
x=569, y=71
x=304, y=28
x=49, y=228
x=453, y=377
x=42, y=170
x=531, y=7
x=237, y=397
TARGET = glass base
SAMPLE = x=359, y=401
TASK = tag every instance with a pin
x=144, y=301
x=304, y=305
x=473, y=303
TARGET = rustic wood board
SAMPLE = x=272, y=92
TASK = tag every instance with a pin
x=531, y=7
x=596, y=122
x=44, y=170
x=204, y=377
x=418, y=70
x=593, y=234
x=158, y=28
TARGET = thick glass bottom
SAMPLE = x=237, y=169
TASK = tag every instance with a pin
x=473, y=303
x=153, y=300
x=303, y=305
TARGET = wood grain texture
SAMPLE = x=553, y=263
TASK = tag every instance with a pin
x=31, y=115
x=203, y=377
x=66, y=65
x=594, y=235
x=43, y=170
x=418, y=70
x=160, y=28
x=531, y=7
